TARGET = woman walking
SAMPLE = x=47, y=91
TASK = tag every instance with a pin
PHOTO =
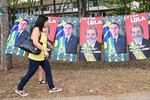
x=40, y=41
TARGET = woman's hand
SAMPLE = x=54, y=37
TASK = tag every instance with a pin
x=46, y=54
x=50, y=45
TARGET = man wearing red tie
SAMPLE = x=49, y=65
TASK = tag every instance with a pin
x=91, y=50
x=141, y=43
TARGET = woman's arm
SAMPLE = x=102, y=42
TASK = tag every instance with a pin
x=50, y=45
x=35, y=38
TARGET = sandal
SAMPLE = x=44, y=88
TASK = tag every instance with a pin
x=42, y=82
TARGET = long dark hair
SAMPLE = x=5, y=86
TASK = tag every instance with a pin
x=40, y=22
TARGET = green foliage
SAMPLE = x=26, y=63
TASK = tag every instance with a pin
x=20, y=3
x=144, y=6
x=122, y=7
x=12, y=2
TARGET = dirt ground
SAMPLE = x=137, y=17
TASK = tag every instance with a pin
x=80, y=79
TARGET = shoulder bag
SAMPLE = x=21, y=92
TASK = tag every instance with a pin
x=28, y=46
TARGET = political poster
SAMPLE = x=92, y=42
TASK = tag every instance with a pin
x=90, y=39
x=66, y=41
x=137, y=35
x=114, y=39
x=51, y=31
x=19, y=32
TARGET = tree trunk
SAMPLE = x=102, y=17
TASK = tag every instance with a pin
x=60, y=6
x=6, y=59
x=54, y=2
x=41, y=4
x=65, y=3
x=82, y=8
x=125, y=6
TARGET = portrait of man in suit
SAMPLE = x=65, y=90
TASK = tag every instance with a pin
x=141, y=43
x=91, y=50
x=119, y=40
x=22, y=33
x=71, y=41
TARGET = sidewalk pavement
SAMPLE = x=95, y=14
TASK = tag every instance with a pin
x=131, y=96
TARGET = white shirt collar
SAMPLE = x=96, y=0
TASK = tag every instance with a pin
x=116, y=38
x=140, y=43
x=68, y=37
